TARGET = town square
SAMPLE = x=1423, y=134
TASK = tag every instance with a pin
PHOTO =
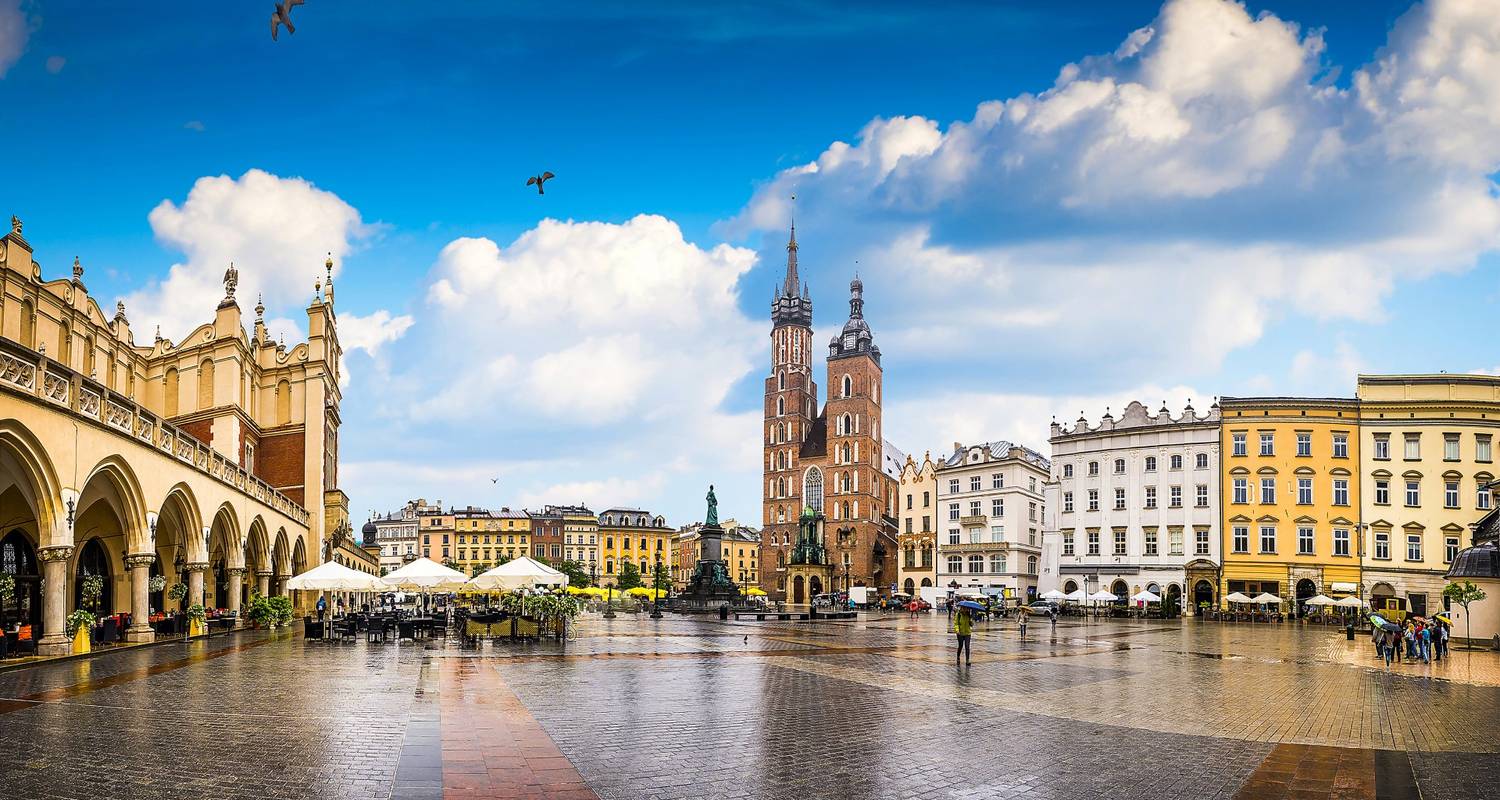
x=743, y=401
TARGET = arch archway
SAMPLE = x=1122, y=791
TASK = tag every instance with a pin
x=1203, y=594
x=926, y=581
x=93, y=561
x=798, y=598
x=27, y=473
x=814, y=586
x=18, y=560
x=1070, y=587
x=1120, y=590
x=1174, y=598
x=910, y=586
x=1306, y=590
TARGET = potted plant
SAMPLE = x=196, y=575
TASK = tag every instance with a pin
x=283, y=607
x=261, y=613
x=79, y=623
x=7, y=590
x=90, y=590
x=197, y=619
x=156, y=584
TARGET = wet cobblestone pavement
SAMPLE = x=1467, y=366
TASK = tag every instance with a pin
x=676, y=708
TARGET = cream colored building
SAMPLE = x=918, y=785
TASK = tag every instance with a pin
x=916, y=525
x=991, y=511
x=210, y=461
x=1427, y=449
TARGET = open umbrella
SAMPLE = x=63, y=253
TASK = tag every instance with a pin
x=1266, y=598
x=426, y=575
x=1053, y=594
x=332, y=576
x=1075, y=596
x=1237, y=597
x=519, y=573
x=1102, y=596
x=969, y=604
x=1443, y=618
x=1321, y=600
x=1351, y=602
x=755, y=591
x=1145, y=596
x=638, y=591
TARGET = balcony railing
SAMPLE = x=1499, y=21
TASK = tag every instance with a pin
x=974, y=521
x=29, y=372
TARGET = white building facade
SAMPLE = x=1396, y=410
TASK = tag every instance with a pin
x=396, y=534
x=1137, y=505
x=990, y=513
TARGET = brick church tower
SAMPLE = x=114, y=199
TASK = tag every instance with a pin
x=791, y=403
x=831, y=462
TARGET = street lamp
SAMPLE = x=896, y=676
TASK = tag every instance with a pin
x=656, y=591
x=609, y=598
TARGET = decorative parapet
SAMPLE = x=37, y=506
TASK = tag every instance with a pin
x=1136, y=417
x=87, y=398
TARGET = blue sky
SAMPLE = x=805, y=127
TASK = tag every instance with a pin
x=1246, y=199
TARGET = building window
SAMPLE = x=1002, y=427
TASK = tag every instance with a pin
x=1268, y=491
x=997, y=481
x=1414, y=547
x=1067, y=502
x=997, y=563
x=1119, y=466
x=1093, y=499
x=1304, y=444
x=1382, y=447
x=1382, y=492
x=974, y=483
x=1067, y=539
x=1119, y=499
x=1450, y=447
x=1304, y=540
x=1341, y=541
x=1450, y=549
x=1119, y=541
x=1413, y=446
x=973, y=508
x=953, y=536
x=1482, y=450
x=1174, y=541
x=1150, y=463
x=1094, y=543
x=1450, y=494
x=1413, y=494
x=1176, y=462
x=976, y=563
x=953, y=512
x=1176, y=497
x=1031, y=565
x=1067, y=470
x=1201, y=461
x=1340, y=491
x=1382, y=545
x=1241, y=490
x=1304, y=491
x=1482, y=501
x=997, y=507
x=1238, y=443
x=1150, y=497
x=1200, y=546
x=1241, y=540
x=955, y=564
x=1150, y=542
x=1200, y=498
x=1268, y=444
x=1341, y=445
x=1093, y=468
x=1268, y=538
x=953, y=486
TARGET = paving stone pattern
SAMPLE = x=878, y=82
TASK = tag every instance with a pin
x=678, y=708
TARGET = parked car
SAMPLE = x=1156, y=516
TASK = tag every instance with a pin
x=1041, y=607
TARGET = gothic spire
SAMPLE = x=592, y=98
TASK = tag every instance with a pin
x=792, y=282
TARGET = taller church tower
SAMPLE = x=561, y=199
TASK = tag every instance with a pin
x=791, y=404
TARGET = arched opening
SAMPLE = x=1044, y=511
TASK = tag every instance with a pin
x=1383, y=597
x=848, y=387
x=283, y=403
x=910, y=586
x=1306, y=589
x=28, y=324
x=926, y=581
x=1203, y=594
x=206, y=384
x=812, y=489
x=1174, y=599
x=171, y=390
x=18, y=560
x=781, y=381
x=798, y=598
x=177, y=525
x=1120, y=590
x=1070, y=587
x=92, y=574
x=815, y=585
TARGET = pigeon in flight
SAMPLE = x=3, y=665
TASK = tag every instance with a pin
x=538, y=180
x=283, y=16
x=494, y=480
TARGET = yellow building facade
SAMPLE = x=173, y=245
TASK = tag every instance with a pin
x=483, y=539
x=1426, y=452
x=1290, y=497
x=634, y=536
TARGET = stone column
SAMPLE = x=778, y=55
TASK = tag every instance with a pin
x=236, y=581
x=263, y=583
x=140, y=597
x=195, y=582
x=55, y=601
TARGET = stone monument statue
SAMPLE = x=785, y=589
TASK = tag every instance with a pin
x=231, y=280
x=712, y=518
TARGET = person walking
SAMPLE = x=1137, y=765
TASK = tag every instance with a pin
x=963, y=626
x=1384, y=644
x=1424, y=633
x=1024, y=615
x=1440, y=636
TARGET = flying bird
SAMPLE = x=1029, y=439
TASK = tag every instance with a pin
x=494, y=480
x=538, y=180
x=283, y=16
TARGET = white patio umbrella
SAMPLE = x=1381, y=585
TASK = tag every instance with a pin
x=1320, y=600
x=332, y=576
x=1266, y=598
x=426, y=575
x=519, y=573
x=1237, y=597
x=1145, y=596
x=1053, y=594
x=1350, y=602
x=1103, y=596
x=1075, y=596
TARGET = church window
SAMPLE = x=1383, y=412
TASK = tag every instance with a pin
x=812, y=488
x=848, y=387
x=781, y=380
x=780, y=406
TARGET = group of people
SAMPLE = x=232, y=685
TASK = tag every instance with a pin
x=1418, y=639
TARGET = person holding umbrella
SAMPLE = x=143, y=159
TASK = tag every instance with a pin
x=963, y=626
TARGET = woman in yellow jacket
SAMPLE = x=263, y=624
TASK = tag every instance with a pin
x=963, y=625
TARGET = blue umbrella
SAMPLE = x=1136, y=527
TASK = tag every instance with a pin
x=970, y=604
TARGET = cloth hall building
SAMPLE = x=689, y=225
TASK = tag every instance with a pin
x=830, y=478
